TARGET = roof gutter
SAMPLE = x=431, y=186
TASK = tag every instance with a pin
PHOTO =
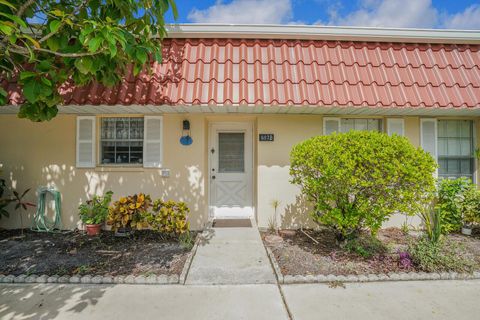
x=315, y=32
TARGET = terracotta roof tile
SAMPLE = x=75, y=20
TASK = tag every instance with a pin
x=294, y=72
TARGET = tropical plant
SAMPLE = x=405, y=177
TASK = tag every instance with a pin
x=129, y=212
x=21, y=204
x=4, y=202
x=46, y=44
x=357, y=180
x=168, y=217
x=95, y=211
x=432, y=222
x=469, y=206
x=450, y=195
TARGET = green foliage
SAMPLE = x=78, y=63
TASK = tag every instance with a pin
x=450, y=193
x=95, y=211
x=138, y=212
x=186, y=240
x=469, y=206
x=432, y=222
x=365, y=246
x=358, y=179
x=439, y=256
x=168, y=217
x=128, y=212
x=4, y=202
x=49, y=42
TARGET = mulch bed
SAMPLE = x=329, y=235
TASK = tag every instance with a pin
x=297, y=254
x=74, y=253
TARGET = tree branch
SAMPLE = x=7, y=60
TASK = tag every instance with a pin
x=24, y=7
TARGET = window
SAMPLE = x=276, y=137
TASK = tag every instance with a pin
x=360, y=125
x=455, y=148
x=231, y=149
x=331, y=125
x=121, y=140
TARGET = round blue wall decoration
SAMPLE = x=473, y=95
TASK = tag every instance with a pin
x=186, y=140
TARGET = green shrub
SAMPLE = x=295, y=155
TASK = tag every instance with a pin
x=168, y=217
x=358, y=179
x=95, y=211
x=365, y=246
x=450, y=193
x=469, y=206
x=439, y=256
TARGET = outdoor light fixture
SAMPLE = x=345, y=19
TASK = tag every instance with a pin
x=186, y=139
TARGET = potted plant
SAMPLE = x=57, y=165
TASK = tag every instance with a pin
x=93, y=213
x=469, y=205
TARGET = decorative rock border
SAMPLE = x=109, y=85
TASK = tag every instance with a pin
x=91, y=279
x=401, y=276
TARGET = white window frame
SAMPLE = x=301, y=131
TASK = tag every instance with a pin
x=339, y=122
x=99, y=139
x=391, y=121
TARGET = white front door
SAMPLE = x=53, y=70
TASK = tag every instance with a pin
x=231, y=164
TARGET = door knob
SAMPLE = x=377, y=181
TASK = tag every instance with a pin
x=213, y=177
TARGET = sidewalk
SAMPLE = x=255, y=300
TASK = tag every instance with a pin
x=441, y=300
x=231, y=256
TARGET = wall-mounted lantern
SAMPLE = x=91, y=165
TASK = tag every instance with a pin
x=186, y=139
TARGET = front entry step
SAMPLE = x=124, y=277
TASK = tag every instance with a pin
x=232, y=223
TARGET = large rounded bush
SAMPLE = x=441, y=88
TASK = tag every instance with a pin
x=357, y=180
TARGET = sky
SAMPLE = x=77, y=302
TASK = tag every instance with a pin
x=450, y=14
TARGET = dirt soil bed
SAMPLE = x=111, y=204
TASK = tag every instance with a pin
x=74, y=253
x=297, y=254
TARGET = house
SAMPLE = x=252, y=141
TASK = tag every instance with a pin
x=245, y=95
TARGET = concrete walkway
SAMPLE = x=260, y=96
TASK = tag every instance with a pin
x=231, y=256
x=365, y=301
x=172, y=302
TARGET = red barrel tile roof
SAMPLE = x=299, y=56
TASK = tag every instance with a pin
x=296, y=72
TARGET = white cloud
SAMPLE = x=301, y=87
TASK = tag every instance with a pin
x=468, y=19
x=389, y=13
x=245, y=11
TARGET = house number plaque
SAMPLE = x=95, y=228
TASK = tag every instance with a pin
x=266, y=137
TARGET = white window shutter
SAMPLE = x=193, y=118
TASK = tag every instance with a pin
x=331, y=125
x=396, y=125
x=152, y=142
x=428, y=136
x=86, y=142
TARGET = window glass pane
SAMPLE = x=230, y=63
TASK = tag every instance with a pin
x=231, y=148
x=360, y=125
x=122, y=140
x=455, y=145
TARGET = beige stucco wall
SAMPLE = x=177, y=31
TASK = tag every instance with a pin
x=35, y=154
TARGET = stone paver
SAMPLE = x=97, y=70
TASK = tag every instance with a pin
x=231, y=256
x=166, y=302
x=385, y=300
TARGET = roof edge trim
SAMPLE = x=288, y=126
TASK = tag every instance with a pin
x=314, y=32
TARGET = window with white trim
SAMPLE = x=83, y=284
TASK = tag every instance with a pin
x=455, y=148
x=121, y=140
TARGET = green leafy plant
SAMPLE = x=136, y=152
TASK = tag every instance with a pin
x=168, y=217
x=450, y=195
x=186, y=240
x=469, y=206
x=48, y=44
x=439, y=256
x=357, y=180
x=95, y=211
x=365, y=246
x=129, y=212
x=4, y=202
x=432, y=222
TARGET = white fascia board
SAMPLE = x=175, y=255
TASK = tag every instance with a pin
x=314, y=32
